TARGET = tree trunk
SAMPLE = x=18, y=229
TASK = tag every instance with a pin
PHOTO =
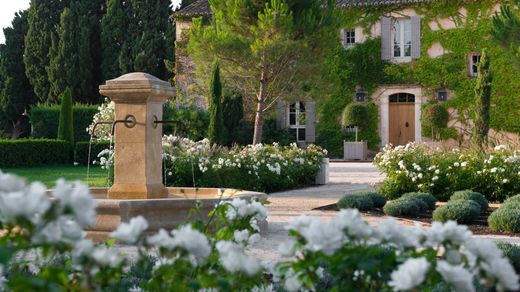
x=260, y=108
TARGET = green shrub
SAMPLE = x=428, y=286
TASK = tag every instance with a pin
x=471, y=195
x=45, y=119
x=512, y=202
x=358, y=201
x=462, y=211
x=434, y=117
x=428, y=199
x=402, y=208
x=66, y=124
x=34, y=152
x=189, y=121
x=81, y=150
x=378, y=199
x=511, y=251
x=505, y=219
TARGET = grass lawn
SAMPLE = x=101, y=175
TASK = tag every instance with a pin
x=49, y=174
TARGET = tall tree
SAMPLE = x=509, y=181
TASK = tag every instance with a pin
x=216, y=129
x=113, y=35
x=482, y=101
x=71, y=59
x=506, y=28
x=16, y=93
x=44, y=17
x=66, y=123
x=269, y=49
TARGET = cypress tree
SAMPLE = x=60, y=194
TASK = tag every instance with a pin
x=16, y=93
x=482, y=101
x=113, y=34
x=71, y=60
x=232, y=112
x=44, y=16
x=216, y=129
x=66, y=126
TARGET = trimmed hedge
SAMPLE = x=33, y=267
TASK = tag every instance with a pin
x=81, y=151
x=462, y=211
x=34, y=152
x=404, y=207
x=426, y=198
x=471, y=195
x=505, y=219
x=356, y=201
x=45, y=120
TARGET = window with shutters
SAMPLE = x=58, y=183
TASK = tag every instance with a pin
x=474, y=59
x=402, y=38
x=348, y=38
x=297, y=120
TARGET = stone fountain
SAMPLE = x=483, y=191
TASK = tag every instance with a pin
x=138, y=188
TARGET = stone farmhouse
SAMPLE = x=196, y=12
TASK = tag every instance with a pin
x=401, y=27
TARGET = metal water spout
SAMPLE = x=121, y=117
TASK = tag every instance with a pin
x=129, y=122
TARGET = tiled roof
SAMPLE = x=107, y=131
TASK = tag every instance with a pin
x=202, y=8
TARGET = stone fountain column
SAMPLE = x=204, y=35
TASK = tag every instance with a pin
x=138, y=146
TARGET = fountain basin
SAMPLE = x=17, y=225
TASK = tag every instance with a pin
x=162, y=213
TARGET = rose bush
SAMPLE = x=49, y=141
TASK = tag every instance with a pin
x=415, y=167
x=44, y=247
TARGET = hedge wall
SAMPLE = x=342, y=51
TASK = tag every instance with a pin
x=45, y=120
x=81, y=151
x=34, y=152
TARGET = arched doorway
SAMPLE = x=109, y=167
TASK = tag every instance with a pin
x=401, y=118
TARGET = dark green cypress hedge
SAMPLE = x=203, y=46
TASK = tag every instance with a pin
x=34, y=152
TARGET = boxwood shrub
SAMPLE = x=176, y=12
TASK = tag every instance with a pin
x=34, y=152
x=358, y=201
x=505, y=219
x=511, y=251
x=378, y=199
x=471, y=195
x=81, y=151
x=462, y=211
x=404, y=207
x=428, y=199
x=512, y=202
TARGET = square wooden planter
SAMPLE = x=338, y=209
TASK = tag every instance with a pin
x=355, y=150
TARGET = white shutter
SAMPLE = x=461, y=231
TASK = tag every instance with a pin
x=416, y=37
x=386, y=38
x=310, y=122
x=281, y=114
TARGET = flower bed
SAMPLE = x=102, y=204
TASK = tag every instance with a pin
x=43, y=247
x=415, y=167
x=259, y=167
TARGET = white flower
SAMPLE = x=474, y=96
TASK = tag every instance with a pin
x=440, y=233
x=83, y=248
x=456, y=164
x=292, y=283
x=240, y=208
x=501, y=269
x=458, y=277
x=10, y=183
x=241, y=236
x=78, y=198
x=130, y=232
x=63, y=230
x=107, y=257
x=350, y=221
x=500, y=148
x=505, y=181
x=234, y=260
x=464, y=164
x=187, y=238
x=410, y=274
x=29, y=202
x=286, y=248
x=389, y=230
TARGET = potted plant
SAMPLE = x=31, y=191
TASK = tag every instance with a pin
x=355, y=115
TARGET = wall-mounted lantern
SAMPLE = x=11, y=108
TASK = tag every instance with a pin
x=360, y=95
x=442, y=94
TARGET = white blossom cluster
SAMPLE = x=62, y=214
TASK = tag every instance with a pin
x=106, y=113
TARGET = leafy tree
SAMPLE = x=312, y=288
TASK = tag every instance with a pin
x=482, y=101
x=356, y=115
x=71, y=60
x=66, y=126
x=506, y=28
x=434, y=117
x=216, y=130
x=269, y=49
x=16, y=93
x=44, y=17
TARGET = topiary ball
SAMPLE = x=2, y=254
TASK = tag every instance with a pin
x=355, y=114
x=462, y=211
x=428, y=199
x=402, y=208
x=378, y=200
x=356, y=201
x=435, y=116
x=512, y=202
x=505, y=219
x=471, y=195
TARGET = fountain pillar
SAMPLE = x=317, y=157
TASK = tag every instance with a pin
x=138, y=146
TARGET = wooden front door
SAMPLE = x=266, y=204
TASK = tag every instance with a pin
x=401, y=119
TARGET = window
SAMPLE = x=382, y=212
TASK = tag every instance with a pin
x=474, y=59
x=297, y=120
x=442, y=94
x=402, y=97
x=349, y=38
x=402, y=38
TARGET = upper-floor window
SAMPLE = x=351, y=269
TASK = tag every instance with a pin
x=297, y=120
x=348, y=38
x=474, y=60
x=402, y=38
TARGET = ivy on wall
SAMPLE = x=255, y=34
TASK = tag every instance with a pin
x=362, y=66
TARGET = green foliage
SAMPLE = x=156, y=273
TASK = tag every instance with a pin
x=470, y=195
x=505, y=219
x=512, y=201
x=403, y=207
x=232, y=113
x=354, y=114
x=462, y=211
x=482, y=101
x=45, y=120
x=362, y=202
x=34, y=152
x=506, y=29
x=216, y=131
x=113, y=33
x=378, y=199
x=189, y=121
x=81, y=151
x=66, y=124
x=426, y=198
x=16, y=93
x=434, y=117
x=510, y=251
